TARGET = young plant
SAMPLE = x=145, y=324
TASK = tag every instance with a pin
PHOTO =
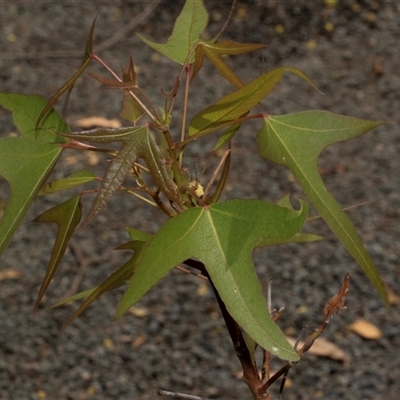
x=215, y=238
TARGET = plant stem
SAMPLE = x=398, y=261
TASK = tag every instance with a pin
x=250, y=373
x=185, y=102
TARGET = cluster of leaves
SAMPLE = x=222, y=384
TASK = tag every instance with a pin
x=219, y=235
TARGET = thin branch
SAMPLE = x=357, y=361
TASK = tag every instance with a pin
x=82, y=262
x=215, y=173
x=176, y=395
x=138, y=196
x=186, y=271
x=129, y=26
x=230, y=15
x=23, y=55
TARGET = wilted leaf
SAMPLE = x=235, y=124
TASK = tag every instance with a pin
x=366, y=329
x=296, y=141
x=187, y=30
x=337, y=302
x=67, y=217
x=222, y=236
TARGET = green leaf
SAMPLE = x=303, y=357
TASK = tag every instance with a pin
x=24, y=162
x=67, y=217
x=222, y=236
x=26, y=110
x=296, y=141
x=74, y=180
x=186, y=33
x=136, y=234
x=299, y=237
x=25, y=165
x=214, y=51
x=132, y=111
x=77, y=296
x=236, y=104
x=227, y=135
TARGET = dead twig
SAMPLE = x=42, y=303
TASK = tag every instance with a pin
x=82, y=263
x=176, y=395
x=23, y=55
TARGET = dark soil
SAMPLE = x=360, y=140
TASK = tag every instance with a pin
x=352, y=53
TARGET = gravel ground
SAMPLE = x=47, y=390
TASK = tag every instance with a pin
x=176, y=340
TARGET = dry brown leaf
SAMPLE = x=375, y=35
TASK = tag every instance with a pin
x=137, y=342
x=202, y=289
x=10, y=274
x=392, y=296
x=325, y=348
x=93, y=158
x=139, y=311
x=108, y=343
x=366, y=329
x=99, y=122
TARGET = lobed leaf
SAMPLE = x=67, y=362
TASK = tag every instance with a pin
x=296, y=141
x=25, y=163
x=222, y=236
x=67, y=217
x=26, y=110
x=236, y=104
x=186, y=33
